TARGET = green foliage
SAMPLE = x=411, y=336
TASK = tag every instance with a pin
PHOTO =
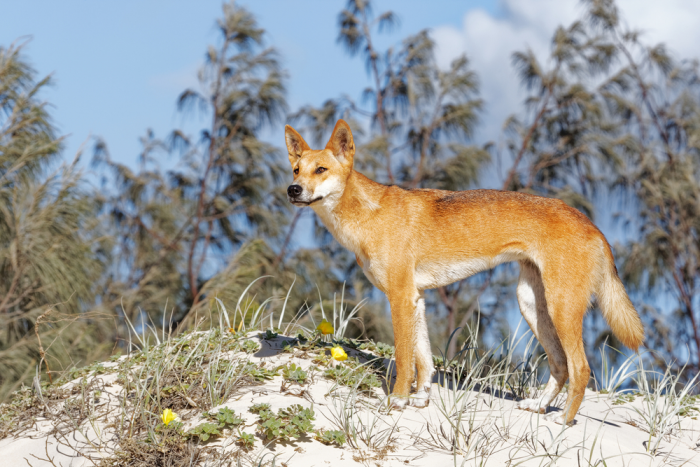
x=300, y=343
x=49, y=246
x=379, y=348
x=257, y=408
x=170, y=390
x=227, y=418
x=290, y=423
x=258, y=372
x=690, y=406
x=294, y=373
x=246, y=440
x=249, y=346
x=353, y=374
x=624, y=398
x=439, y=363
x=18, y=406
x=224, y=419
x=331, y=437
x=167, y=448
x=205, y=431
x=95, y=369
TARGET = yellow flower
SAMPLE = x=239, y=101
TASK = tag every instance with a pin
x=325, y=327
x=339, y=354
x=168, y=416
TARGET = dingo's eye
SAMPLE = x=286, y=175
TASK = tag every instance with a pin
x=320, y=170
x=296, y=171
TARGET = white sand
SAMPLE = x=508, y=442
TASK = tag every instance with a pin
x=500, y=434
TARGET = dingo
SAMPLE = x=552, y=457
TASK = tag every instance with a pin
x=407, y=241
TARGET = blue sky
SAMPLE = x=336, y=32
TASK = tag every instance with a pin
x=118, y=67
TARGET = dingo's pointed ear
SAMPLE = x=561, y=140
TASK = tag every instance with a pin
x=341, y=143
x=295, y=144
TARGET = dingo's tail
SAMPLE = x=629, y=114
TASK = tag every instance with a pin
x=616, y=306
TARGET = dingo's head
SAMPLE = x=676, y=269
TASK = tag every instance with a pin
x=319, y=174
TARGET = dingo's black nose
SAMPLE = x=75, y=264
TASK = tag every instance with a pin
x=294, y=190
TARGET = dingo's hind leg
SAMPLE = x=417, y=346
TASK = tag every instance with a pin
x=568, y=296
x=533, y=306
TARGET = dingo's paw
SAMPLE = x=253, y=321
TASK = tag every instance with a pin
x=420, y=399
x=397, y=402
x=532, y=405
x=559, y=418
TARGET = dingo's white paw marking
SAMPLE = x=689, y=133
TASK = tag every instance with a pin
x=420, y=399
x=559, y=418
x=532, y=405
x=397, y=402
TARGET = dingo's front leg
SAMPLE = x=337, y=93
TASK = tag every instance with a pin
x=403, y=298
x=423, y=357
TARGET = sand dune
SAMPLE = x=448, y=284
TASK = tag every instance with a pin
x=87, y=421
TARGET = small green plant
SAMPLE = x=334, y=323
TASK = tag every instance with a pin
x=353, y=374
x=294, y=374
x=331, y=437
x=249, y=346
x=269, y=334
x=689, y=406
x=97, y=368
x=257, y=372
x=323, y=359
x=290, y=423
x=13, y=414
x=257, y=408
x=224, y=419
x=624, y=398
x=301, y=342
x=94, y=369
x=379, y=348
x=205, y=431
x=173, y=430
x=451, y=366
x=177, y=388
x=246, y=440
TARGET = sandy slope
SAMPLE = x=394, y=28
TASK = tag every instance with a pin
x=498, y=433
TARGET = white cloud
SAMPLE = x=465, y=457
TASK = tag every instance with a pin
x=489, y=41
x=674, y=22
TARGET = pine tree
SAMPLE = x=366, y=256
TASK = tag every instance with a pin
x=49, y=251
